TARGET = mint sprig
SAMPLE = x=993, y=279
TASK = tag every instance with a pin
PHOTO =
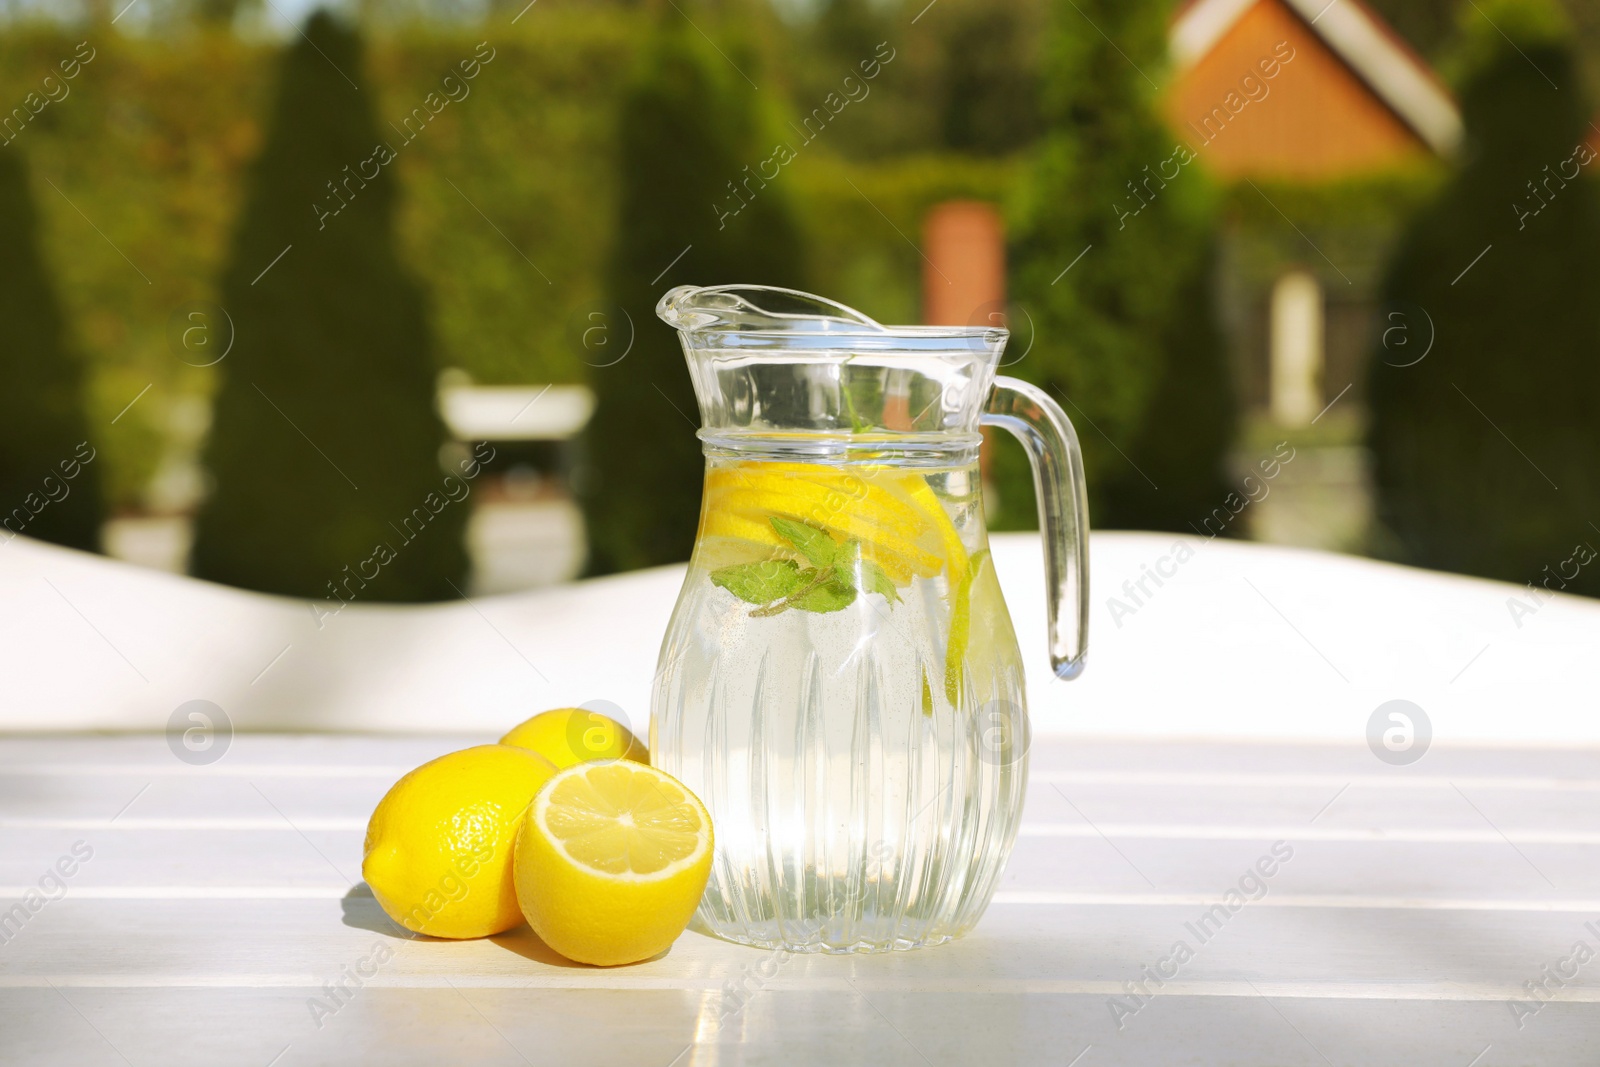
x=828, y=590
x=829, y=584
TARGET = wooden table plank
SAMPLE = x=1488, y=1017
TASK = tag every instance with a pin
x=1080, y=949
x=344, y=797
x=1417, y=903
x=659, y=1028
x=184, y=862
x=1123, y=759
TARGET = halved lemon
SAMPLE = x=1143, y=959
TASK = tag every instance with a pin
x=611, y=861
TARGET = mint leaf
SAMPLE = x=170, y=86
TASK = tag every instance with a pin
x=776, y=586
x=849, y=559
x=815, y=545
x=874, y=579
x=835, y=594
x=761, y=583
x=819, y=591
x=857, y=423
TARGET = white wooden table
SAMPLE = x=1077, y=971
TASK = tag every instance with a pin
x=212, y=911
x=220, y=901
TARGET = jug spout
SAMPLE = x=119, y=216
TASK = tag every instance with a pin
x=758, y=307
x=772, y=364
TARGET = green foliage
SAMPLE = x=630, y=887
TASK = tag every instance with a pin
x=898, y=114
x=218, y=12
x=325, y=441
x=145, y=149
x=531, y=149
x=1485, y=29
x=964, y=78
x=46, y=490
x=1470, y=444
x=1178, y=451
x=156, y=135
x=1425, y=24
x=862, y=219
x=689, y=125
x=1274, y=225
x=990, y=83
x=154, y=139
x=1132, y=313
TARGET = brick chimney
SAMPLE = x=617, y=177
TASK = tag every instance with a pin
x=964, y=269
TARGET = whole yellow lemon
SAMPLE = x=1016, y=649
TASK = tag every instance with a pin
x=439, y=845
x=567, y=736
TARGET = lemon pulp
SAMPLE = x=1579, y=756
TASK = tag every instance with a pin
x=620, y=823
x=611, y=861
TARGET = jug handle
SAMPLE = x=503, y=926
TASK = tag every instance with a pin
x=1044, y=430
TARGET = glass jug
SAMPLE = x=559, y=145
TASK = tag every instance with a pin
x=840, y=682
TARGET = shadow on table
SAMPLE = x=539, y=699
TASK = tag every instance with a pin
x=361, y=911
x=525, y=943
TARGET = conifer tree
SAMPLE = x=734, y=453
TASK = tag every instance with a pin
x=49, y=480
x=1487, y=451
x=325, y=440
x=1113, y=263
x=689, y=127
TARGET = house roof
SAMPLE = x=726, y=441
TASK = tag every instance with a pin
x=1361, y=40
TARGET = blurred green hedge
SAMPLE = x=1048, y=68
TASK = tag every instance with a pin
x=505, y=207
